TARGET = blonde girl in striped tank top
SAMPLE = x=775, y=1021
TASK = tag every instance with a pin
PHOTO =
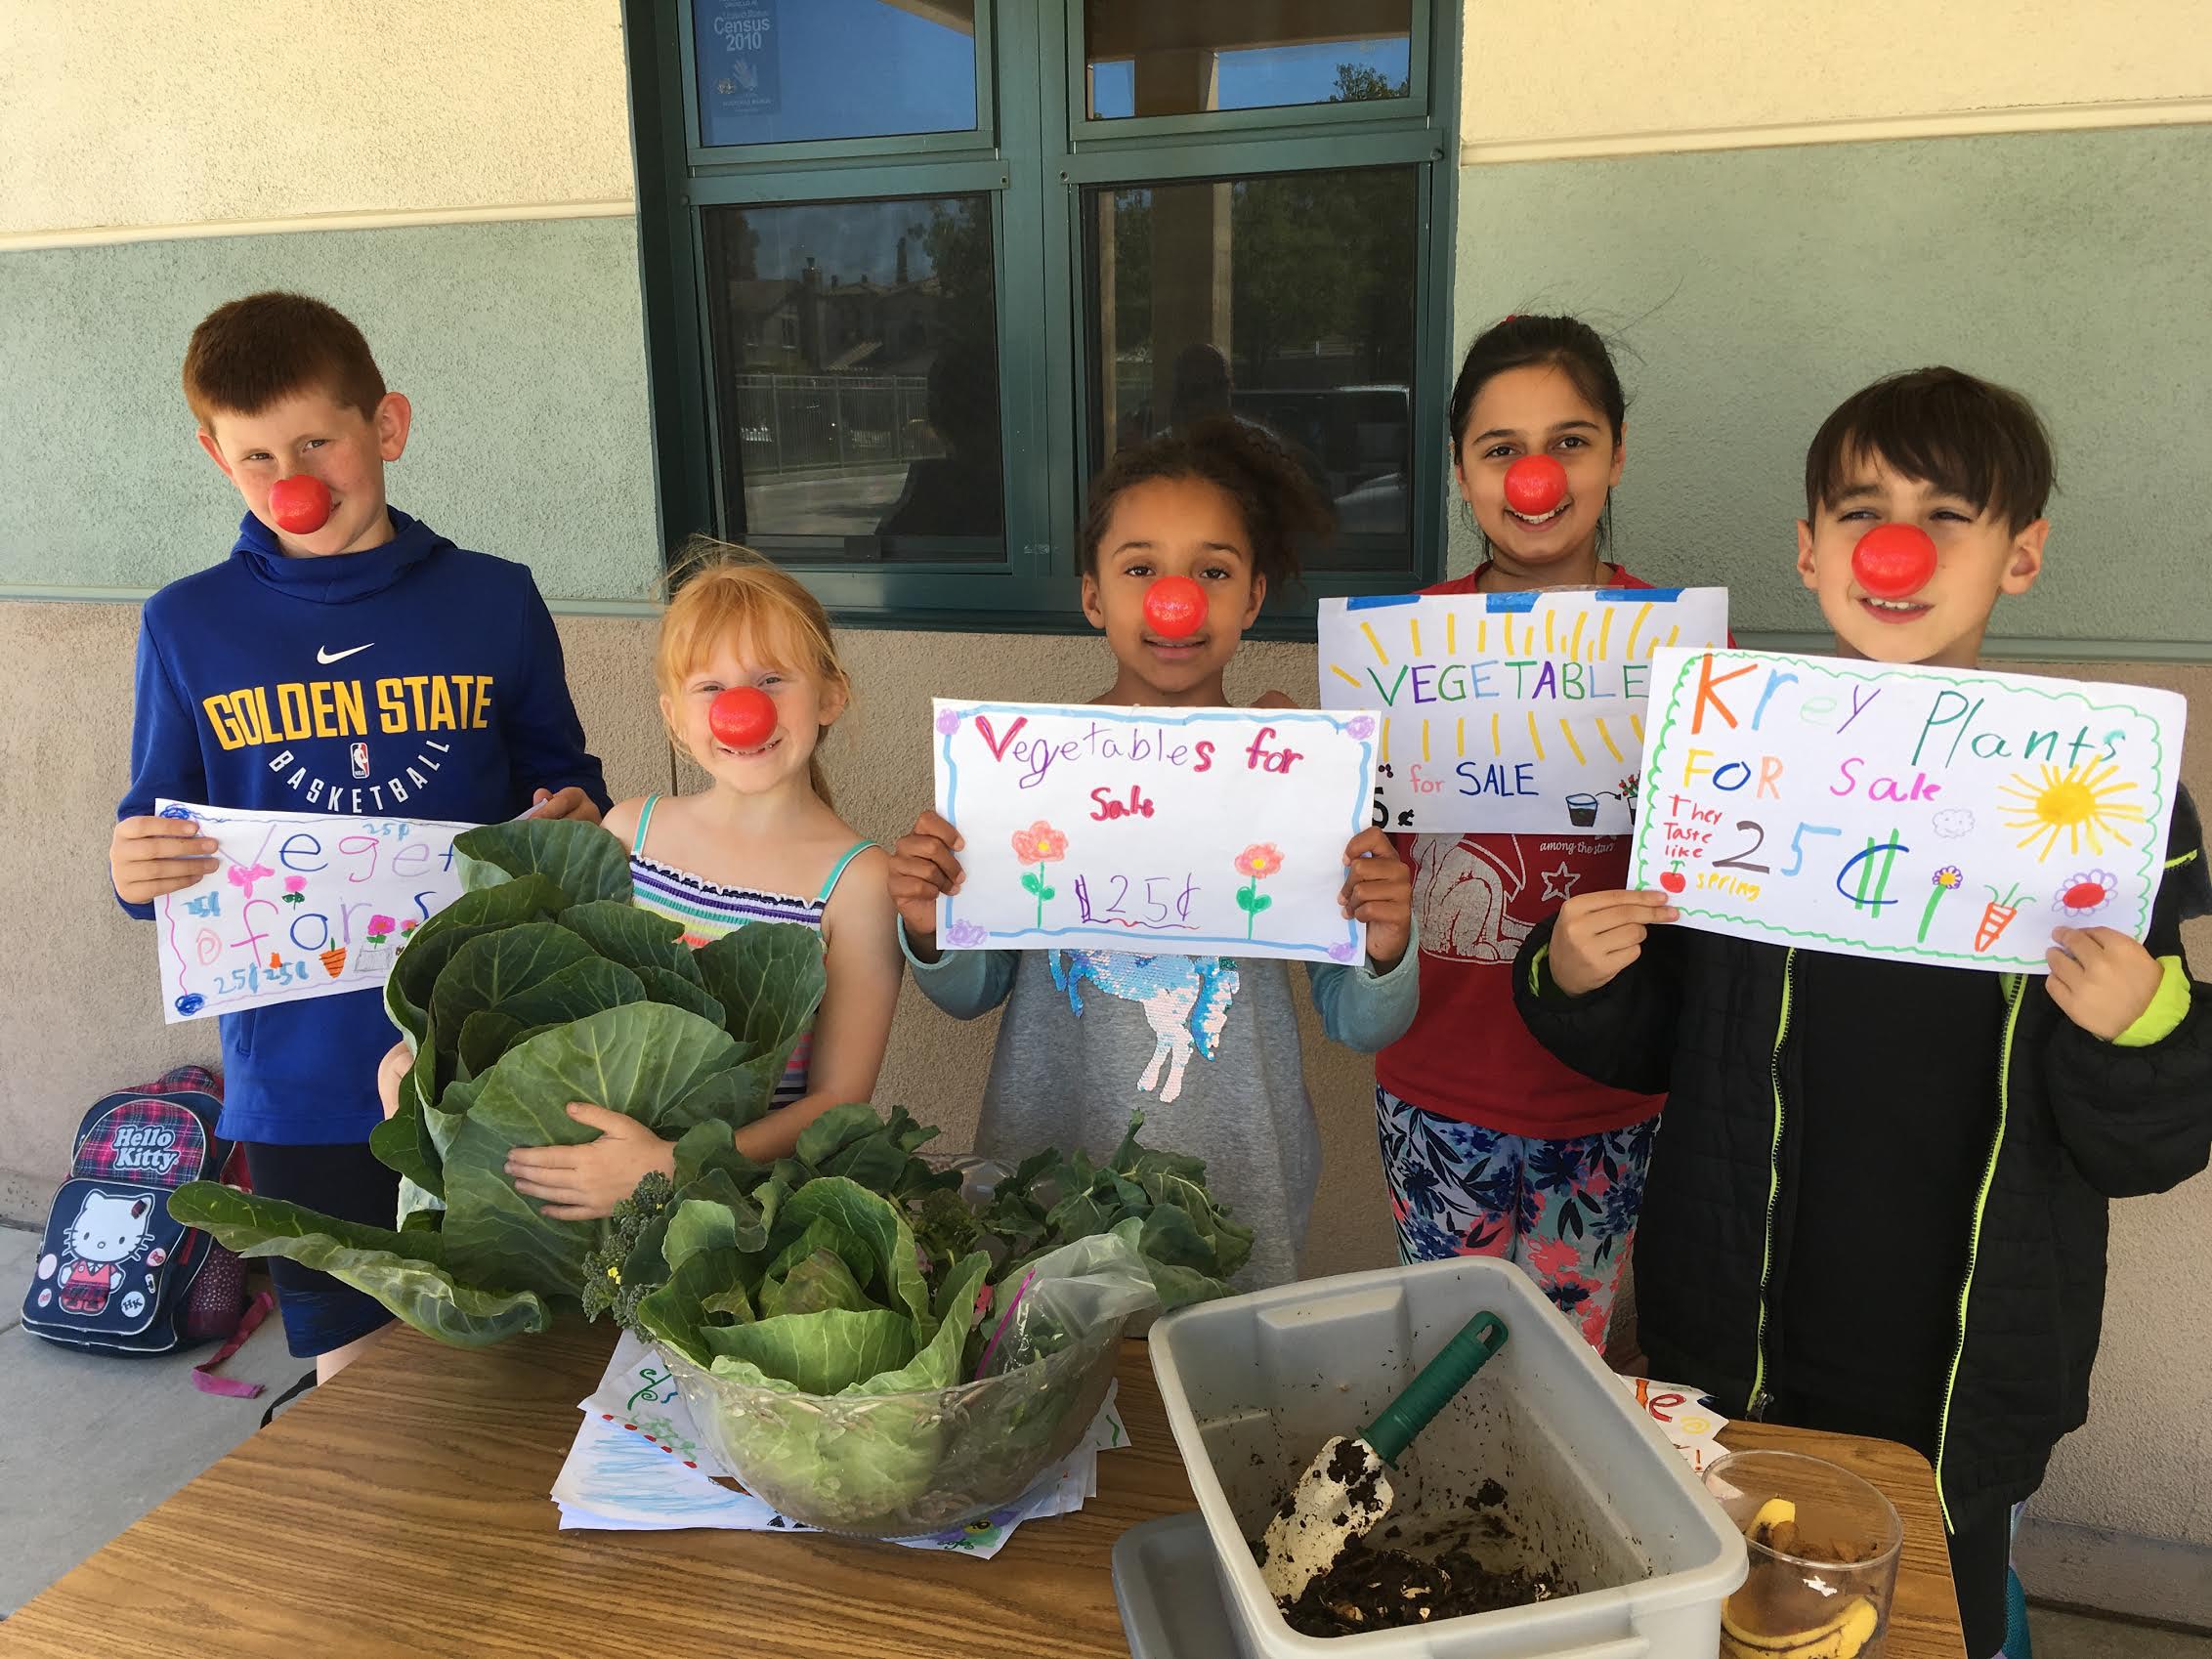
x=761, y=843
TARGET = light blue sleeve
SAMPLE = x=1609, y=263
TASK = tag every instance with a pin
x=1363, y=1009
x=966, y=983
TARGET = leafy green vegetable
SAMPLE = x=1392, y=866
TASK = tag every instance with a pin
x=406, y=1272
x=582, y=867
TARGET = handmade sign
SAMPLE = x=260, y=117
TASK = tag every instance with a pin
x=1514, y=712
x=303, y=905
x=1943, y=814
x=1186, y=831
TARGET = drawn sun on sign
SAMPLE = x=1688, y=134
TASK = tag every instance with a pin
x=2084, y=805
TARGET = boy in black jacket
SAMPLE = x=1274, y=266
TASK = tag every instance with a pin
x=1877, y=1201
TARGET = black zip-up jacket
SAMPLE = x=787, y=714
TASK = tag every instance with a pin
x=1704, y=1019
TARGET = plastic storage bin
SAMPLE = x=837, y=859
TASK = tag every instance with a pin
x=1254, y=1384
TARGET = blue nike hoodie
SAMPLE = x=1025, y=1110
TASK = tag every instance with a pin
x=414, y=680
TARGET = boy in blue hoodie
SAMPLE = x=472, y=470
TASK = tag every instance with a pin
x=366, y=666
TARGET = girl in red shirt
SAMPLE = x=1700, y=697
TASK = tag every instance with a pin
x=1491, y=1146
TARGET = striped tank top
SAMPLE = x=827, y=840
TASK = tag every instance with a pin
x=705, y=912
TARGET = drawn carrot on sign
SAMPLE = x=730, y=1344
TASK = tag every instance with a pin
x=1996, y=915
x=1948, y=880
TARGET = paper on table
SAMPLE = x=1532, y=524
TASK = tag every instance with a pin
x=1686, y=1416
x=637, y=1465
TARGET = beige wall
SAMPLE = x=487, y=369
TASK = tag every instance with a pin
x=196, y=112
x=1599, y=78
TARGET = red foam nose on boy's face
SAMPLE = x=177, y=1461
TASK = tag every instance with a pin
x=300, y=504
x=1534, y=485
x=743, y=717
x=1175, y=607
x=1894, y=561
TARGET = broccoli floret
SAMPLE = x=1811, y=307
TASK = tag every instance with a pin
x=944, y=1226
x=603, y=1289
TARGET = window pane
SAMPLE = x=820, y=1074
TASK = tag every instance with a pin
x=1187, y=57
x=1287, y=301
x=856, y=375
x=775, y=71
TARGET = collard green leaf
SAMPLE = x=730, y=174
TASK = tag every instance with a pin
x=821, y=1281
x=486, y=1035
x=640, y=1059
x=817, y=1353
x=582, y=988
x=493, y=968
x=676, y=1312
x=406, y=1272
x=399, y=1144
x=729, y=1099
x=769, y=978
x=406, y=993
x=580, y=859
x=698, y=1224
x=835, y=1129
x=637, y=939
x=678, y=992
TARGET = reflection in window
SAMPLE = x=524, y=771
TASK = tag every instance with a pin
x=1188, y=57
x=856, y=375
x=1287, y=301
x=779, y=71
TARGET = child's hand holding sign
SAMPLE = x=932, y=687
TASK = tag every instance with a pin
x=1598, y=934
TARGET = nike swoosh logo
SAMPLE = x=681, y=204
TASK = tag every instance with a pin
x=326, y=657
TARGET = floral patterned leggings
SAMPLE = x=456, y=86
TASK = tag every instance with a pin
x=1563, y=1211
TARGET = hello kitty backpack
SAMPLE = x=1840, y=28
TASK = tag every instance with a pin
x=113, y=1270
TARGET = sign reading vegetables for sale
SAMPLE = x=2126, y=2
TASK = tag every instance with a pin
x=301, y=904
x=1943, y=814
x=1185, y=830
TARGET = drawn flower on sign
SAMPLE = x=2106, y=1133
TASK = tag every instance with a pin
x=380, y=928
x=295, y=889
x=245, y=876
x=1342, y=951
x=947, y=722
x=965, y=935
x=1255, y=864
x=2087, y=891
x=1040, y=844
x=1360, y=726
x=1948, y=880
x=409, y=925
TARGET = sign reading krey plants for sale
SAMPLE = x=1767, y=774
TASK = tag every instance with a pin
x=1944, y=815
x=301, y=904
x=1184, y=830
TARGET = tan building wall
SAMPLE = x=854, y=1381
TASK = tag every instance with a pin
x=1596, y=77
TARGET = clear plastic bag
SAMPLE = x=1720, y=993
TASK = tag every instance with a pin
x=1062, y=1299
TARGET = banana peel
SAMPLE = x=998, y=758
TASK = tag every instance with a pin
x=1841, y=1637
x=1838, y=1636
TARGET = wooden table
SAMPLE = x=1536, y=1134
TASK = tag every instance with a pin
x=403, y=1510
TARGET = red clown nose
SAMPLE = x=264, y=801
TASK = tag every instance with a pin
x=1534, y=485
x=1894, y=561
x=300, y=504
x=743, y=717
x=1175, y=607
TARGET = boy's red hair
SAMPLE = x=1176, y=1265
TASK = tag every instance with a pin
x=255, y=351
